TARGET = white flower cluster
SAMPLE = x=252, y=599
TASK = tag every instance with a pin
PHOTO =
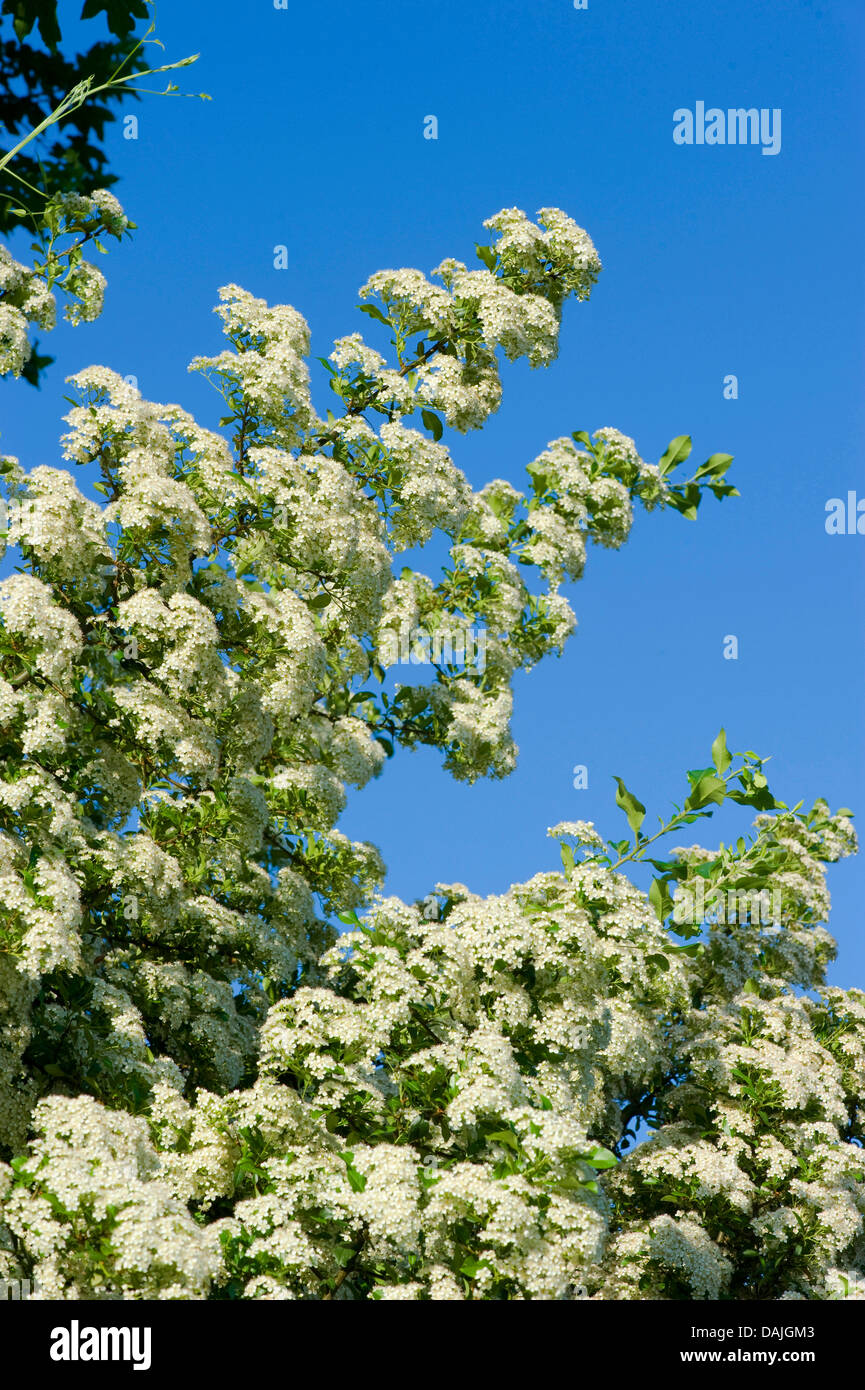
x=25, y=300
x=205, y=1091
x=515, y=307
x=26, y=296
x=266, y=363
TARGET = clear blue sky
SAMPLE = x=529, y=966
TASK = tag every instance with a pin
x=716, y=260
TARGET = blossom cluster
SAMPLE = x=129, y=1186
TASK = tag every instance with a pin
x=68, y=223
x=206, y=1088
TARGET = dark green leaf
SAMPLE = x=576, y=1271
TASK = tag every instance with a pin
x=660, y=961
x=374, y=313
x=433, y=424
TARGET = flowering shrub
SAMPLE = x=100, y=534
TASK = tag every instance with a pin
x=207, y=1090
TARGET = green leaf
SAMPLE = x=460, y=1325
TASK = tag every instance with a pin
x=351, y=918
x=660, y=961
x=34, y=365
x=696, y=774
x=120, y=14
x=659, y=897
x=686, y=500
x=715, y=466
x=706, y=870
x=601, y=1158
x=722, y=490
x=320, y=601
x=374, y=313
x=720, y=757
x=433, y=424
x=49, y=29
x=357, y=1180
x=487, y=255
x=633, y=809
x=708, y=790
x=675, y=453
x=505, y=1136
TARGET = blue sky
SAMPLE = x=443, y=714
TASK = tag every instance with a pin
x=717, y=260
